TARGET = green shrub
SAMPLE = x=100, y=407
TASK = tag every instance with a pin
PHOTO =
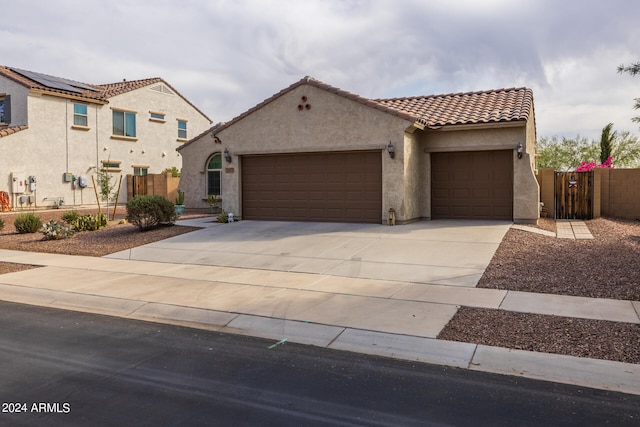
x=27, y=223
x=223, y=217
x=70, y=217
x=57, y=230
x=90, y=222
x=174, y=171
x=148, y=212
x=1, y=223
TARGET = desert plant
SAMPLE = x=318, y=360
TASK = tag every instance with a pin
x=57, y=230
x=27, y=223
x=174, y=171
x=90, y=222
x=180, y=198
x=70, y=217
x=223, y=217
x=148, y=212
x=1, y=223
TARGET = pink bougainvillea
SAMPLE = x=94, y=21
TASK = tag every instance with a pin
x=586, y=167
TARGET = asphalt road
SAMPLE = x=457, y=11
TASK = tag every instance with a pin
x=67, y=368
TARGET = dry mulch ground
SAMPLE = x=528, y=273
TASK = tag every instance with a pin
x=597, y=339
x=607, y=267
x=113, y=238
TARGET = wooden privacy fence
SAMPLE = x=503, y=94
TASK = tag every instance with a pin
x=161, y=184
x=574, y=195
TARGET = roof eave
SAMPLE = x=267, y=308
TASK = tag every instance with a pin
x=68, y=96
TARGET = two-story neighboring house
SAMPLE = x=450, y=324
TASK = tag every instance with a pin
x=56, y=134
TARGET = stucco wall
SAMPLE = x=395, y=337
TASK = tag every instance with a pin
x=331, y=123
x=51, y=146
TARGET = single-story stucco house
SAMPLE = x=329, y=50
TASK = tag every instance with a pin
x=313, y=152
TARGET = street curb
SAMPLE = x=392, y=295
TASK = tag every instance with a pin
x=585, y=372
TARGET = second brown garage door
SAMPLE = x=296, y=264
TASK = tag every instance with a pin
x=472, y=185
x=333, y=187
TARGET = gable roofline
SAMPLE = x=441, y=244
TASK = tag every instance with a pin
x=310, y=81
x=114, y=89
x=100, y=93
x=485, y=107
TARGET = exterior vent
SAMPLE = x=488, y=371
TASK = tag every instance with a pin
x=162, y=89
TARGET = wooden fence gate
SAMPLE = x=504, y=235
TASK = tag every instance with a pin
x=139, y=185
x=574, y=195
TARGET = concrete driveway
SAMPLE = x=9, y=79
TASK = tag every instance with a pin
x=444, y=252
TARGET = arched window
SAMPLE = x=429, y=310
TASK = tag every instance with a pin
x=214, y=172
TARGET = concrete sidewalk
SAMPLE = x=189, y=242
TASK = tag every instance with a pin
x=316, y=309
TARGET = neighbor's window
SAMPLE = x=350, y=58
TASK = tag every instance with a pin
x=156, y=117
x=111, y=165
x=182, y=129
x=124, y=123
x=5, y=109
x=80, y=115
x=140, y=170
x=214, y=171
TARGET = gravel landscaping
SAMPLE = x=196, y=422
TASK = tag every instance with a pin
x=606, y=267
x=113, y=238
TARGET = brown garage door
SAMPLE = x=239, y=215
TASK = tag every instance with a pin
x=333, y=187
x=472, y=185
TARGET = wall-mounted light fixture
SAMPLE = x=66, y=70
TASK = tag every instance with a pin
x=391, y=150
x=227, y=155
x=519, y=149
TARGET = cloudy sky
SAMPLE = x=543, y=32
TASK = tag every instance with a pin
x=228, y=55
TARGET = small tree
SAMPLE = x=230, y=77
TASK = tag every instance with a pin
x=606, y=142
x=107, y=185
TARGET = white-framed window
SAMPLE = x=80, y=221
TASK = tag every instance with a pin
x=182, y=129
x=124, y=123
x=111, y=165
x=156, y=116
x=214, y=175
x=80, y=117
x=140, y=170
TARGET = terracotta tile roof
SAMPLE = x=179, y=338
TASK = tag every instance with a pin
x=100, y=95
x=11, y=129
x=491, y=106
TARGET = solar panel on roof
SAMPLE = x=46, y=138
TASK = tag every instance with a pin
x=54, y=82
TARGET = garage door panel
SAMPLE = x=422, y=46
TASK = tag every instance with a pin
x=345, y=187
x=472, y=185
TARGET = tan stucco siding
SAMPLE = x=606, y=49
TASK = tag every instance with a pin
x=52, y=146
x=329, y=123
x=413, y=189
x=526, y=203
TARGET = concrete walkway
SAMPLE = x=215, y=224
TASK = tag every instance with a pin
x=393, y=318
x=566, y=229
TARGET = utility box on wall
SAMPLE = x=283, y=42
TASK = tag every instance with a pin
x=17, y=182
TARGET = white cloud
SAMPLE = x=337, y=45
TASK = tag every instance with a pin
x=228, y=55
